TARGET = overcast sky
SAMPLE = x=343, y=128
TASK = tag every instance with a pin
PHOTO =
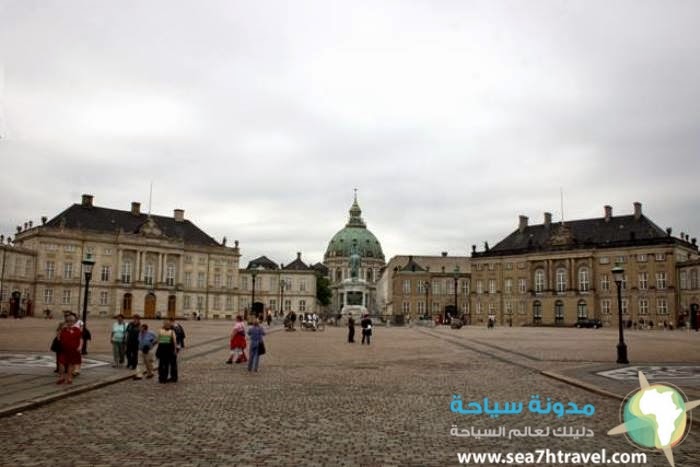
x=260, y=117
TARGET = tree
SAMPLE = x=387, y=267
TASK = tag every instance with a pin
x=323, y=290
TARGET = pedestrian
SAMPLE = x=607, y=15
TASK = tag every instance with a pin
x=257, y=345
x=269, y=318
x=167, y=354
x=366, y=325
x=56, y=346
x=147, y=340
x=351, y=329
x=84, y=334
x=117, y=338
x=237, y=342
x=70, y=339
x=179, y=333
x=133, y=330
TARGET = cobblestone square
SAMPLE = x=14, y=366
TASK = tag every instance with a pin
x=317, y=400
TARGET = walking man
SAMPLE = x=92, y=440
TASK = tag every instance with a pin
x=147, y=340
x=351, y=329
x=366, y=325
x=133, y=329
x=117, y=338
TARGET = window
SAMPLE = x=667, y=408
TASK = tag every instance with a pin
x=170, y=275
x=302, y=285
x=604, y=260
x=126, y=302
x=643, y=306
x=661, y=306
x=436, y=308
x=66, y=296
x=188, y=279
x=186, y=302
x=104, y=297
x=104, y=274
x=421, y=287
x=521, y=308
x=625, y=308
x=244, y=282
x=51, y=247
x=623, y=285
x=582, y=310
x=492, y=310
x=492, y=285
x=643, y=280
x=478, y=308
x=508, y=286
x=406, y=286
x=491, y=266
x=436, y=288
x=200, y=302
x=273, y=304
x=509, y=266
x=148, y=274
x=216, y=302
x=188, y=258
x=202, y=260
x=28, y=268
x=217, y=280
x=126, y=272
x=583, y=279
x=287, y=305
x=537, y=312
x=201, y=277
x=406, y=307
x=107, y=252
x=17, y=267
x=604, y=283
x=558, y=311
x=68, y=271
x=683, y=280
x=641, y=258
x=539, y=280
x=50, y=267
x=620, y=260
x=522, y=285
x=229, y=282
x=421, y=308
x=302, y=305
x=48, y=296
x=660, y=256
x=694, y=279
x=660, y=280
x=561, y=280
x=465, y=286
x=508, y=307
x=479, y=286
x=69, y=248
x=605, y=306
x=229, y=302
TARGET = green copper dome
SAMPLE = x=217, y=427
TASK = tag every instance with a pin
x=355, y=231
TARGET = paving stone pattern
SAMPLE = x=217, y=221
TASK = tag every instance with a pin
x=316, y=401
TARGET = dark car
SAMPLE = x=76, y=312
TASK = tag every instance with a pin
x=589, y=323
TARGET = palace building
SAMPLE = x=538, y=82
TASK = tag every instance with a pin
x=557, y=273
x=148, y=264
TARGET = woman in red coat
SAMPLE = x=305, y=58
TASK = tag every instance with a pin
x=70, y=339
x=238, y=342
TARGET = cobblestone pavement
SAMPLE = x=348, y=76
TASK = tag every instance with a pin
x=316, y=401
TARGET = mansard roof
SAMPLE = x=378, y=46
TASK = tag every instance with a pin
x=106, y=220
x=615, y=232
x=264, y=262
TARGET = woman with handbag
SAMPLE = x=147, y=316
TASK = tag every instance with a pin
x=70, y=339
x=257, y=345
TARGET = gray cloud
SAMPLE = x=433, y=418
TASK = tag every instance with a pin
x=259, y=119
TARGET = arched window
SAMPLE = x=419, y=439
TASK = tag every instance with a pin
x=561, y=280
x=537, y=312
x=369, y=275
x=583, y=280
x=539, y=280
x=582, y=309
x=126, y=304
x=558, y=312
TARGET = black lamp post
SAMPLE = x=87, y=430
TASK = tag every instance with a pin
x=283, y=284
x=88, y=263
x=618, y=274
x=456, y=278
x=427, y=291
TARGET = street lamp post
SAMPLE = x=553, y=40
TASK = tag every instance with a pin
x=283, y=284
x=88, y=263
x=618, y=274
x=427, y=291
x=456, y=278
x=254, y=273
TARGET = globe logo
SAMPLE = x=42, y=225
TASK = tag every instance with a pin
x=655, y=417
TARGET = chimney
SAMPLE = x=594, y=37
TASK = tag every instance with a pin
x=223, y=241
x=522, y=225
x=2, y=239
x=87, y=201
x=608, y=213
x=179, y=215
x=669, y=231
x=26, y=226
x=299, y=255
x=444, y=254
x=694, y=241
x=637, y=210
x=31, y=223
x=44, y=219
x=235, y=243
x=547, y=219
x=473, y=249
x=135, y=208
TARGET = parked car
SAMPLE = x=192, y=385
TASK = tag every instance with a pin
x=589, y=323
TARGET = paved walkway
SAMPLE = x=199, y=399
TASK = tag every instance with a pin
x=316, y=401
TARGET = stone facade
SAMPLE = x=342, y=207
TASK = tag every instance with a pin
x=278, y=288
x=556, y=273
x=150, y=265
x=17, y=273
x=424, y=286
x=689, y=292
